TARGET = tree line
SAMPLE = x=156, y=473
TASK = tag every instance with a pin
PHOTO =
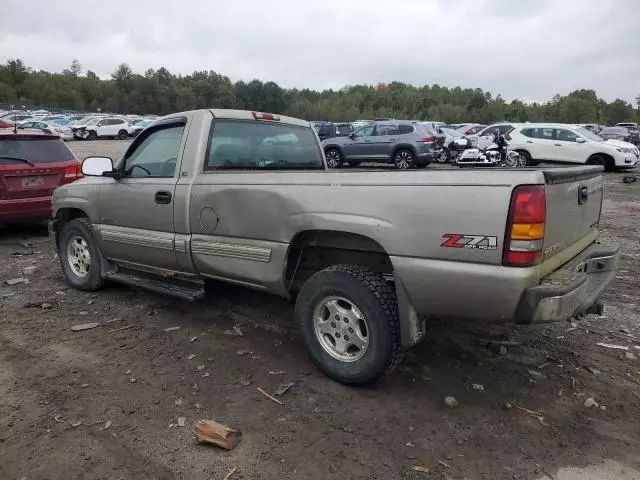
x=161, y=92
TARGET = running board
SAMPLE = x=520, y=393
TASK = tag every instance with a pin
x=184, y=289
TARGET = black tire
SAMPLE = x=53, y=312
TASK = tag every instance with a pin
x=334, y=157
x=92, y=135
x=527, y=156
x=608, y=163
x=123, y=135
x=444, y=156
x=81, y=228
x=404, y=159
x=375, y=298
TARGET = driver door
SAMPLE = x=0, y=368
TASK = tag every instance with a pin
x=136, y=211
x=357, y=145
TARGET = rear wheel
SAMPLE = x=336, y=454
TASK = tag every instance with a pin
x=526, y=156
x=123, y=135
x=444, y=156
x=348, y=318
x=404, y=159
x=334, y=158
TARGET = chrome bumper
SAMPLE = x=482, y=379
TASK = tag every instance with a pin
x=572, y=290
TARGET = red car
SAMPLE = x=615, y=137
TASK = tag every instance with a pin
x=32, y=165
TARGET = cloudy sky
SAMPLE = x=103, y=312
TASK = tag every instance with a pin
x=519, y=48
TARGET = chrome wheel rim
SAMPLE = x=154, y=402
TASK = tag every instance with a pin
x=512, y=160
x=442, y=158
x=333, y=158
x=341, y=329
x=403, y=160
x=79, y=256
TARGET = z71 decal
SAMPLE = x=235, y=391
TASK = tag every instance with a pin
x=459, y=240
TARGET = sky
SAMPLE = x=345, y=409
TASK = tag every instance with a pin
x=526, y=49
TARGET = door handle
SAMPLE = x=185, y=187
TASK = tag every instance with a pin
x=163, y=198
x=557, y=144
x=529, y=141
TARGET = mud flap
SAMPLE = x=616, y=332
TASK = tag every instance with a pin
x=412, y=327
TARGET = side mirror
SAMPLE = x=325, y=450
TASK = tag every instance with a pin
x=580, y=140
x=96, y=166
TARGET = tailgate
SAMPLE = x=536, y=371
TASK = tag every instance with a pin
x=574, y=199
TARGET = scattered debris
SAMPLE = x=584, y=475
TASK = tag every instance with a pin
x=181, y=421
x=85, y=385
x=477, y=387
x=535, y=374
x=235, y=331
x=624, y=329
x=83, y=313
x=538, y=415
x=245, y=380
x=75, y=424
x=277, y=372
x=445, y=465
x=410, y=445
x=544, y=365
x=630, y=355
x=132, y=380
x=84, y=326
x=30, y=270
x=262, y=391
x=179, y=402
x=420, y=468
x=593, y=370
x=107, y=425
x=200, y=368
x=507, y=406
x=602, y=407
x=503, y=350
x=193, y=339
x=629, y=178
x=16, y=281
x=231, y=472
x=590, y=402
x=191, y=357
x=242, y=353
x=284, y=388
x=120, y=329
x=128, y=372
x=451, y=402
x=171, y=329
x=197, y=406
x=46, y=306
x=610, y=345
x=210, y=431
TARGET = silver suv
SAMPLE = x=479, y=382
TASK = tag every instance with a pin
x=407, y=144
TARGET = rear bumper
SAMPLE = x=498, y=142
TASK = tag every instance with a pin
x=25, y=209
x=571, y=290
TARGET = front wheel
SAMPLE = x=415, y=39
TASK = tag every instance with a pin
x=123, y=135
x=404, y=159
x=79, y=255
x=334, y=158
x=348, y=318
x=92, y=135
x=444, y=156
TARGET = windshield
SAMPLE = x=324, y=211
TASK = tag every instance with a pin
x=451, y=132
x=35, y=150
x=91, y=121
x=589, y=135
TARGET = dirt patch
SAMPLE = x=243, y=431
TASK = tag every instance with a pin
x=58, y=388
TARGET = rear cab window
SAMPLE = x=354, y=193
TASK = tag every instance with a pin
x=36, y=149
x=257, y=145
x=344, y=129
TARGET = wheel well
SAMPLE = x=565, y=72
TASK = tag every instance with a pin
x=607, y=162
x=314, y=250
x=404, y=147
x=65, y=215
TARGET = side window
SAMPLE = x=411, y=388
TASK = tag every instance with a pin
x=545, y=133
x=402, y=129
x=324, y=130
x=504, y=129
x=117, y=122
x=365, y=131
x=27, y=125
x=156, y=153
x=565, y=135
x=252, y=145
x=529, y=132
x=386, y=130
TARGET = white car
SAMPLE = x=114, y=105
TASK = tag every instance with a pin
x=485, y=137
x=570, y=144
x=64, y=133
x=107, y=127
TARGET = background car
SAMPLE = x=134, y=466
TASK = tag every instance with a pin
x=139, y=125
x=330, y=130
x=570, y=144
x=485, y=137
x=32, y=165
x=471, y=128
x=16, y=118
x=454, y=143
x=65, y=133
x=621, y=133
x=404, y=143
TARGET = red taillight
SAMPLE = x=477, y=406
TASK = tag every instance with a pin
x=427, y=140
x=265, y=116
x=74, y=172
x=524, y=233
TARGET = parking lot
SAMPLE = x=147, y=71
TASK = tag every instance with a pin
x=106, y=402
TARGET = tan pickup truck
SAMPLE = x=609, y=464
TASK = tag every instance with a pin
x=368, y=256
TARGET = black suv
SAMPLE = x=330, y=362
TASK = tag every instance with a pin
x=330, y=130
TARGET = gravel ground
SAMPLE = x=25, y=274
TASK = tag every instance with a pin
x=104, y=403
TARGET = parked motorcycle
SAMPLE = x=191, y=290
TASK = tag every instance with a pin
x=497, y=154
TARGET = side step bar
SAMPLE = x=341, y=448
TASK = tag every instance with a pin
x=184, y=289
